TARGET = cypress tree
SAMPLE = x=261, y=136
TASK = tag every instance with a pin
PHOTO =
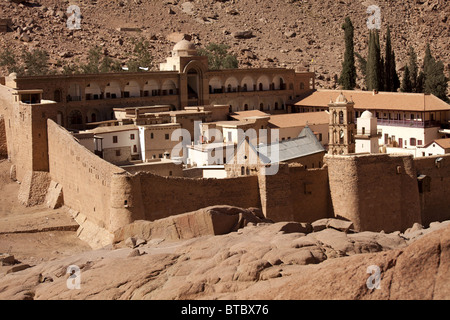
x=420, y=82
x=435, y=80
x=380, y=62
x=373, y=63
x=427, y=60
x=388, y=77
x=348, y=75
x=382, y=75
x=406, y=81
x=396, y=79
x=391, y=80
x=413, y=69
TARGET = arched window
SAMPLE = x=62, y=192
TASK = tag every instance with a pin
x=245, y=107
x=341, y=137
x=334, y=117
x=244, y=87
x=261, y=87
x=276, y=106
x=341, y=117
x=57, y=95
x=261, y=107
x=302, y=86
x=242, y=171
x=75, y=117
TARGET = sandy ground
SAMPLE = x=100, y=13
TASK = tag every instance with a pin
x=34, y=234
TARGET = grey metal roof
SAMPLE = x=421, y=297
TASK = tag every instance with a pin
x=305, y=144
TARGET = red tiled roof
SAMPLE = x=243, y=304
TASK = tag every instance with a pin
x=368, y=100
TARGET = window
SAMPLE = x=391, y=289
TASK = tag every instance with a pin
x=419, y=142
x=117, y=153
x=151, y=135
x=341, y=117
x=412, y=142
x=115, y=139
x=363, y=130
x=160, y=155
x=135, y=148
x=132, y=136
x=167, y=136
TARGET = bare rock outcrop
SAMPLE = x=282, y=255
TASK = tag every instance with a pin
x=259, y=261
x=215, y=220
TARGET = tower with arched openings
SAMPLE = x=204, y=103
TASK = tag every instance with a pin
x=341, y=126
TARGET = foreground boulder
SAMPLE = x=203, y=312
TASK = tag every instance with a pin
x=215, y=220
x=261, y=261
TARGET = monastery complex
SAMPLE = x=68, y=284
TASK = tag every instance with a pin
x=121, y=147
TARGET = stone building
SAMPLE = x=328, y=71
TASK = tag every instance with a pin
x=184, y=80
x=341, y=126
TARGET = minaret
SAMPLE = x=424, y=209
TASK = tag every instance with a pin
x=341, y=126
x=367, y=136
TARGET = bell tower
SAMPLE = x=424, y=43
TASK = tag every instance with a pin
x=341, y=126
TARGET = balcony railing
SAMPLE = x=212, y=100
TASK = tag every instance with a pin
x=408, y=123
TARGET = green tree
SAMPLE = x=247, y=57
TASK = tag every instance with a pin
x=109, y=65
x=94, y=57
x=373, y=69
x=35, y=62
x=8, y=60
x=427, y=60
x=348, y=75
x=406, y=81
x=141, y=57
x=413, y=69
x=391, y=80
x=434, y=79
x=362, y=64
x=218, y=57
x=97, y=63
x=420, y=82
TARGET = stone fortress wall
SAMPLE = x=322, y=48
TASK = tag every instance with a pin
x=85, y=178
x=375, y=192
x=435, y=189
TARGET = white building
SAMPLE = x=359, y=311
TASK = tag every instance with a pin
x=366, y=139
x=437, y=147
x=406, y=121
x=120, y=144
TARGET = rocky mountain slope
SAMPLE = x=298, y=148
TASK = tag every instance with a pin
x=286, y=33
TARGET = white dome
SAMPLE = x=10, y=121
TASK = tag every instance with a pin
x=366, y=115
